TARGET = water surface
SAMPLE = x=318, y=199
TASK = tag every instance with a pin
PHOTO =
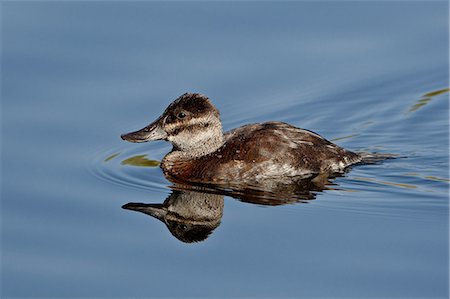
x=372, y=76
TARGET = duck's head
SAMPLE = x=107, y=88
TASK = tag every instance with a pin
x=190, y=123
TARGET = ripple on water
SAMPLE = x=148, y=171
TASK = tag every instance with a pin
x=390, y=188
x=130, y=167
x=356, y=192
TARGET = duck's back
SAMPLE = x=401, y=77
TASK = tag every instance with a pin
x=265, y=151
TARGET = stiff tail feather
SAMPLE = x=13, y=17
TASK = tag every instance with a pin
x=371, y=158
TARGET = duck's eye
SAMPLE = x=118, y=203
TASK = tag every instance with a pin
x=181, y=115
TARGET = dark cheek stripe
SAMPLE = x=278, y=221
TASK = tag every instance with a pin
x=191, y=128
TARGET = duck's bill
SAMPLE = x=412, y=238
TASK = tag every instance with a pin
x=155, y=210
x=151, y=132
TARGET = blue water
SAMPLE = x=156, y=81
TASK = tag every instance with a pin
x=75, y=75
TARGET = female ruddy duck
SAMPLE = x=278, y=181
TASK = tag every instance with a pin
x=251, y=153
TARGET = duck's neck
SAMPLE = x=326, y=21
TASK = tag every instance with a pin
x=206, y=140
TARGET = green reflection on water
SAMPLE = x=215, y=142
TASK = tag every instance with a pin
x=426, y=98
x=402, y=185
x=429, y=177
x=434, y=178
x=111, y=157
x=140, y=160
x=345, y=137
x=437, y=92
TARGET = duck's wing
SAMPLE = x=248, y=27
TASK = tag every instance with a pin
x=283, y=144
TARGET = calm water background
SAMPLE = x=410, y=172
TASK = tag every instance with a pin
x=77, y=74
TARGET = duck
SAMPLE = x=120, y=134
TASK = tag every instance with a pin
x=253, y=154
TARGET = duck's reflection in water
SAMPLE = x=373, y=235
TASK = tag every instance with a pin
x=191, y=213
